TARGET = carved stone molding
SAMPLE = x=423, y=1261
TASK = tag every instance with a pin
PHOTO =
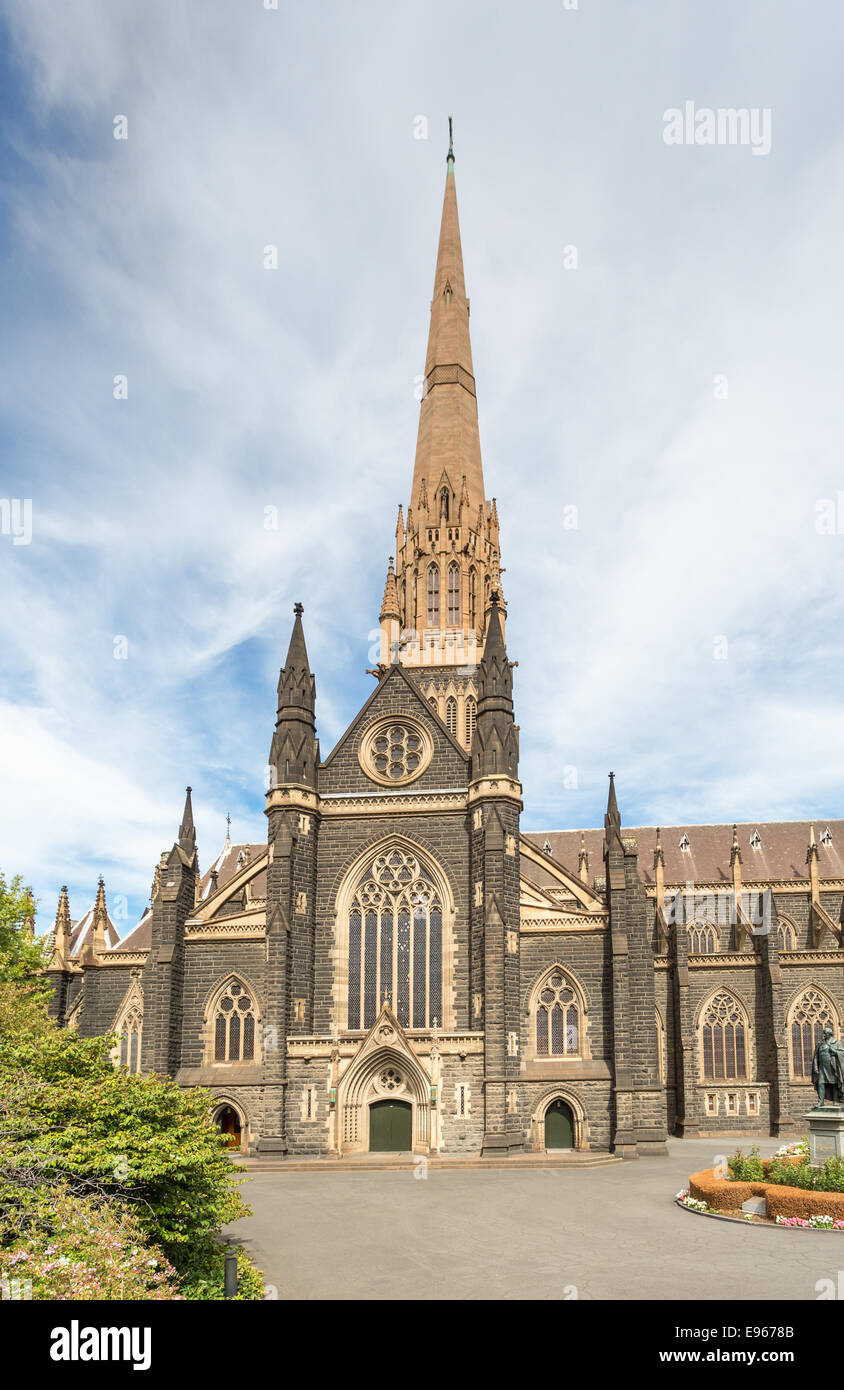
x=567, y=922
x=725, y=958
x=397, y=803
x=124, y=958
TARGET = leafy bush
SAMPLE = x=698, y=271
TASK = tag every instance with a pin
x=829, y=1178
x=786, y=1174
x=209, y=1285
x=746, y=1167
x=148, y=1171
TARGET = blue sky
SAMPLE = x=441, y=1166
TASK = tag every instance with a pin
x=686, y=633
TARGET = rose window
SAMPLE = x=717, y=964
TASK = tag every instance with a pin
x=395, y=751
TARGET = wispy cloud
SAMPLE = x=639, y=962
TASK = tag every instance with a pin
x=292, y=389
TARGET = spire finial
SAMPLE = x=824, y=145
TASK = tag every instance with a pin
x=298, y=608
x=228, y=829
x=450, y=155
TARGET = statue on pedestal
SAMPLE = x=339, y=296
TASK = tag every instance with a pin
x=828, y=1069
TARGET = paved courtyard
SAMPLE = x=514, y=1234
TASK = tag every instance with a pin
x=610, y=1232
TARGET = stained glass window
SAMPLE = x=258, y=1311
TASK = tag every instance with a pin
x=724, y=1040
x=234, y=1025
x=809, y=1016
x=557, y=1018
x=400, y=958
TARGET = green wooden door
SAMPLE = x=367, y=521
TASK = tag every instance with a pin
x=559, y=1126
x=390, y=1126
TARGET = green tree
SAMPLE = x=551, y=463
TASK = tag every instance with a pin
x=22, y=956
x=72, y=1126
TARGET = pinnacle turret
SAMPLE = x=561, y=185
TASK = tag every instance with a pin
x=293, y=750
x=390, y=603
x=62, y=931
x=187, y=831
x=495, y=747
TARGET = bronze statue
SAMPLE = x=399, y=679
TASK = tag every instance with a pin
x=828, y=1069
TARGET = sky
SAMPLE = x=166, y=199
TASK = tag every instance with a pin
x=656, y=332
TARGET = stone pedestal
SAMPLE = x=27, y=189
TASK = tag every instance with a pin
x=826, y=1134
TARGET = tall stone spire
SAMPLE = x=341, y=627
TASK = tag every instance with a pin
x=448, y=441
x=187, y=831
x=293, y=751
x=447, y=560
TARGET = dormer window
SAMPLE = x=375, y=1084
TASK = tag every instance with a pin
x=755, y=840
x=685, y=843
x=547, y=847
x=826, y=837
x=241, y=860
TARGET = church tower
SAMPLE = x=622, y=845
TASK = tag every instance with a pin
x=447, y=564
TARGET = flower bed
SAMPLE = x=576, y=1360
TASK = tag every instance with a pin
x=794, y=1205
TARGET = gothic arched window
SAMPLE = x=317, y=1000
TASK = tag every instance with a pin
x=129, y=1030
x=809, y=1015
x=724, y=1039
x=453, y=595
x=557, y=1018
x=451, y=716
x=234, y=1020
x=395, y=944
x=433, y=596
x=444, y=505
x=473, y=597
x=785, y=935
x=703, y=940
x=471, y=717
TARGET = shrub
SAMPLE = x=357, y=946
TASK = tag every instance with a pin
x=746, y=1168
x=788, y=1174
x=71, y=1123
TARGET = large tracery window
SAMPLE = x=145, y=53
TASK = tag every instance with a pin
x=395, y=944
x=453, y=595
x=130, y=1030
x=724, y=1039
x=703, y=939
x=433, y=596
x=234, y=1025
x=557, y=1019
x=809, y=1016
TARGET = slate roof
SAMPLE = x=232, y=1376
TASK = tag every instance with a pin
x=781, y=853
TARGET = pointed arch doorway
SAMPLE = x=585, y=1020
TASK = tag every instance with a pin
x=559, y=1126
x=227, y=1121
x=390, y=1126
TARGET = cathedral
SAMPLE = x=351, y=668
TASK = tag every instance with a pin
x=398, y=967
